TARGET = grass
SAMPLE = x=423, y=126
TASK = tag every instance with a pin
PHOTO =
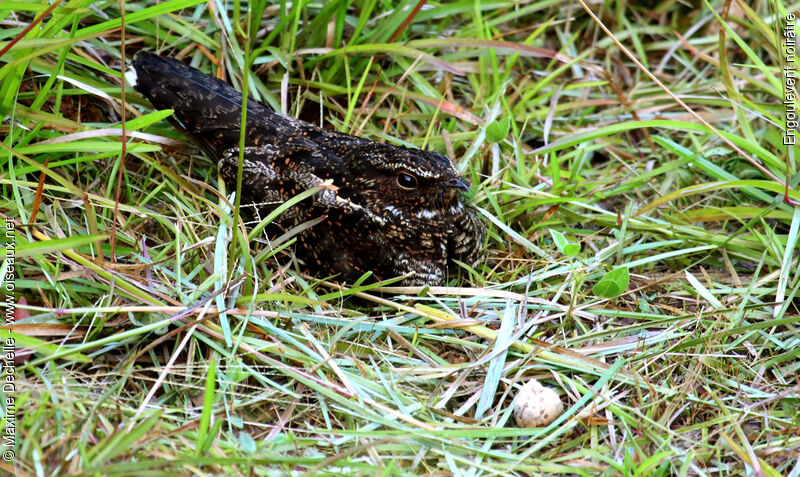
x=194, y=349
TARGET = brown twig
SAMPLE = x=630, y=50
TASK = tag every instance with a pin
x=28, y=28
x=37, y=201
x=408, y=20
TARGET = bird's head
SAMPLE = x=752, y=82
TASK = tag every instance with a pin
x=407, y=182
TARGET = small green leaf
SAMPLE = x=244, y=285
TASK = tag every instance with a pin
x=247, y=444
x=236, y=421
x=235, y=371
x=570, y=249
x=559, y=239
x=613, y=283
x=496, y=131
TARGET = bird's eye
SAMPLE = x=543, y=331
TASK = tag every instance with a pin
x=406, y=180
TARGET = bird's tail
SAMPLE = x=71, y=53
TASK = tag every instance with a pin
x=207, y=109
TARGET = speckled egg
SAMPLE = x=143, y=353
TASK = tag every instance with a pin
x=536, y=405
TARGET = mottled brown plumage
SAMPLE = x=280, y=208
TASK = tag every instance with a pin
x=391, y=209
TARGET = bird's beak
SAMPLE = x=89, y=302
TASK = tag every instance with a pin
x=458, y=183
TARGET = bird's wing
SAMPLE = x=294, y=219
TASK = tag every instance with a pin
x=465, y=242
x=275, y=172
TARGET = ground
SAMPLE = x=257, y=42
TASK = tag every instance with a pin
x=631, y=161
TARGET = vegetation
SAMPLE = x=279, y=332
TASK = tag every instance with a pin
x=642, y=256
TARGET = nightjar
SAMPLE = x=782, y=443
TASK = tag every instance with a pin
x=389, y=209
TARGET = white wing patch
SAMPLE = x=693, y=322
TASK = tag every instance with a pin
x=425, y=214
x=130, y=77
x=393, y=210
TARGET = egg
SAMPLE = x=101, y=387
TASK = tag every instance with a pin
x=536, y=405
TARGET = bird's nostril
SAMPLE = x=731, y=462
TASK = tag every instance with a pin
x=458, y=183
